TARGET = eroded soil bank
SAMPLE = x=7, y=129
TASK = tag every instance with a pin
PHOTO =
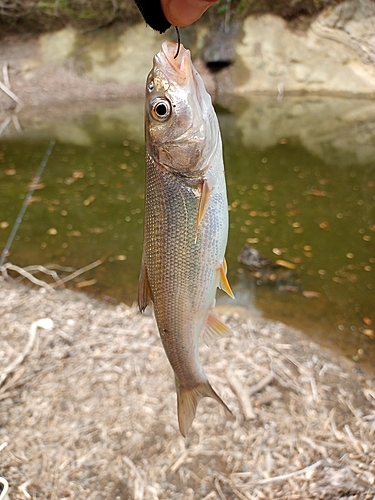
x=330, y=53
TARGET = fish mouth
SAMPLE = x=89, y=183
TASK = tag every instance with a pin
x=179, y=67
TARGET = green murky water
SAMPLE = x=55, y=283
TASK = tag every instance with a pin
x=301, y=187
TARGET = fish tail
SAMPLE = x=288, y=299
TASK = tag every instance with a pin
x=187, y=401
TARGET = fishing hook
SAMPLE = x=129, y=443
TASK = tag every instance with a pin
x=178, y=42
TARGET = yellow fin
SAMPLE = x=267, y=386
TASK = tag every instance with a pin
x=215, y=329
x=203, y=200
x=144, y=290
x=187, y=401
x=224, y=283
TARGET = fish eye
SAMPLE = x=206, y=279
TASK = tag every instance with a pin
x=161, y=109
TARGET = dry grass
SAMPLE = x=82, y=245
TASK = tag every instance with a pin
x=88, y=409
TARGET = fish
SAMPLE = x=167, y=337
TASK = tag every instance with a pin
x=185, y=221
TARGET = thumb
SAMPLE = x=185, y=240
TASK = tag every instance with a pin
x=184, y=12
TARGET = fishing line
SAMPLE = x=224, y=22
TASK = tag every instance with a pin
x=178, y=41
x=25, y=204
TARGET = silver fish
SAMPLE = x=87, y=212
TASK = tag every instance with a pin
x=186, y=221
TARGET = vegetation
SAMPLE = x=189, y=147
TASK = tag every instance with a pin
x=48, y=15
x=287, y=9
x=85, y=15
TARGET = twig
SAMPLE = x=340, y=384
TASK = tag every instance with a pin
x=16, y=123
x=261, y=384
x=9, y=93
x=6, y=75
x=45, y=323
x=355, y=442
x=139, y=485
x=12, y=383
x=26, y=201
x=230, y=484
x=45, y=270
x=314, y=389
x=181, y=459
x=243, y=396
x=281, y=477
x=4, y=125
x=22, y=489
x=219, y=490
x=24, y=273
x=3, y=445
x=267, y=398
x=84, y=269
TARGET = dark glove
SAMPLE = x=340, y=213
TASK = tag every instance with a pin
x=153, y=14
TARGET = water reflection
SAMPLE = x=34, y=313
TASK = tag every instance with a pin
x=301, y=185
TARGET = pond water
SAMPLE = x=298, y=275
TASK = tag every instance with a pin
x=301, y=188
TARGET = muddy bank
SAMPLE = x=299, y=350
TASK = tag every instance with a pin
x=332, y=52
x=89, y=410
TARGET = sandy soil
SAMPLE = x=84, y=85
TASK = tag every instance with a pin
x=88, y=410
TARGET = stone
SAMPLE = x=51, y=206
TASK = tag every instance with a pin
x=336, y=54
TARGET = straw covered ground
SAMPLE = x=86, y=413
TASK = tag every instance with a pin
x=88, y=409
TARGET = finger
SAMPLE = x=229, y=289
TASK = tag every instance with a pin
x=184, y=12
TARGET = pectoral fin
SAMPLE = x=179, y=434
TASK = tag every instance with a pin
x=215, y=329
x=203, y=201
x=144, y=290
x=224, y=283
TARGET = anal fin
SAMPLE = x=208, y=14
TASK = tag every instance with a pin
x=215, y=329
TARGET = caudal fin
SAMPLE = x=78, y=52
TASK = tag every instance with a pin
x=187, y=401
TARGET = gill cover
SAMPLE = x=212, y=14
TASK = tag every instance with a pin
x=181, y=127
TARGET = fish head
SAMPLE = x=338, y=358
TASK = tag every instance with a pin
x=182, y=132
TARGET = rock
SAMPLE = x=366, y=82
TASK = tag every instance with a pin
x=265, y=272
x=335, y=54
x=338, y=130
x=253, y=259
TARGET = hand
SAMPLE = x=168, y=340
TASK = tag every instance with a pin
x=160, y=14
x=184, y=12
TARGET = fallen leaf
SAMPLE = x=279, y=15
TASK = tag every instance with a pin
x=285, y=263
x=369, y=333
x=89, y=200
x=120, y=257
x=78, y=174
x=82, y=284
x=311, y=294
